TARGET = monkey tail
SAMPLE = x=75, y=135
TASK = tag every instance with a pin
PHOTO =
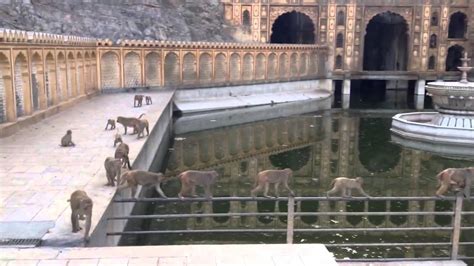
x=141, y=115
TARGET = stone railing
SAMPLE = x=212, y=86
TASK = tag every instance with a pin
x=39, y=71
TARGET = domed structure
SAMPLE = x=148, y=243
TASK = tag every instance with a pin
x=450, y=130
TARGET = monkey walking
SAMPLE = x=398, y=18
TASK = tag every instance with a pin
x=129, y=122
x=140, y=128
x=345, y=186
x=276, y=177
x=134, y=178
x=457, y=179
x=192, y=178
x=117, y=138
x=81, y=208
x=113, y=169
x=148, y=100
x=66, y=140
x=122, y=153
x=110, y=122
x=138, y=100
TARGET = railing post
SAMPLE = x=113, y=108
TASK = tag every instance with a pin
x=290, y=220
x=456, y=226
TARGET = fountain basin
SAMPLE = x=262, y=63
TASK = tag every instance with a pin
x=452, y=97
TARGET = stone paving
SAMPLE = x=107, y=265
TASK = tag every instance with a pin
x=37, y=176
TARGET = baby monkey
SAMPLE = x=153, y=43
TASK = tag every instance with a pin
x=66, y=140
x=345, y=185
x=148, y=100
x=138, y=100
x=81, y=208
x=110, y=122
x=117, y=138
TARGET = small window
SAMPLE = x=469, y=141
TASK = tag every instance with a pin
x=434, y=19
x=341, y=18
x=339, y=62
x=339, y=41
x=246, y=21
x=433, y=41
x=431, y=63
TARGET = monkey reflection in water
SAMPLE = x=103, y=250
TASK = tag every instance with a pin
x=134, y=178
x=345, y=186
x=276, y=177
x=192, y=178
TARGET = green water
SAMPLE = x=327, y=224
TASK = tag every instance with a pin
x=317, y=147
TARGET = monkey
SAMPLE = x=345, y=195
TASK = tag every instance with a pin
x=192, y=178
x=456, y=178
x=117, y=138
x=113, y=168
x=345, y=186
x=110, y=122
x=121, y=152
x=276, y=177
x=128, y=121
x=66, y=140
x=81, y=209
x=140, y=128
x=137, y=100
x=148, y=100
x=138, y=177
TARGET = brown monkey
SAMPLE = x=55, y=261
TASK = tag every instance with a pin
x=81, y=208
x=148, y=100
x=192, y=178
x=110, y=122
x=457, y=179
x=138, y=177
x=117, y=138
x=113, y=168
x=66, y=140
x=122, y=153
x=129, y=121
x=140, y=128
x=276, y=177
x=345, y=186
x=138, y=100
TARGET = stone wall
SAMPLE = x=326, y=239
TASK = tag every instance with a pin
x=120, y=19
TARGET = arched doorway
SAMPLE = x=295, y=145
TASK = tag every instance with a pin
x=293, y=27
x=457, y=26
x=386, y=43
x=453, y=60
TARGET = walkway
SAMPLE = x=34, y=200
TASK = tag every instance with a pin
x=37, y=176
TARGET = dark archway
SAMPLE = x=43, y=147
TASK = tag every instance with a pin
x=434, y=19
x=453, y=60
x=341, y=18
x=293, y=27
x=339, y=40
x=246, y=21
x=457, y=26
x=386, y=43
x=433, y=41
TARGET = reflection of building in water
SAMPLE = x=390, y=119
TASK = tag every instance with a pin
x=318, y=147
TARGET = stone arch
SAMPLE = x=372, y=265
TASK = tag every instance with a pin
x=71, y=75
x=6, y=90
x=260, y=67
x=109, y=71
x=189, y=68
x=283, y=69
x=303, y=64
x=132, y=70
x=294, y=65
x=235, y=67
x=386, y=42
x=457, y=25
x=80, y=74
x=37, y=78
x=340, y=18
x=338, y=63
x=62, y=81
x=434, y=21
x=220, y=68
x=22, y=86
x=248, y=66
x=293, y=27
x=272, y=66
x=432, y=63
x=171, y=69
x=340, y=40
x=153, y=69
x=453, y=58
x=205, y=68
x=50, y=77
x=433, y=41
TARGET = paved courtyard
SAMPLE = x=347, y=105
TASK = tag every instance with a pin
x=37, y=176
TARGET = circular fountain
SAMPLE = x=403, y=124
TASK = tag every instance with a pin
x=450, y=130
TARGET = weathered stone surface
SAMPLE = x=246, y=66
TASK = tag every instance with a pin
x=144, y=19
